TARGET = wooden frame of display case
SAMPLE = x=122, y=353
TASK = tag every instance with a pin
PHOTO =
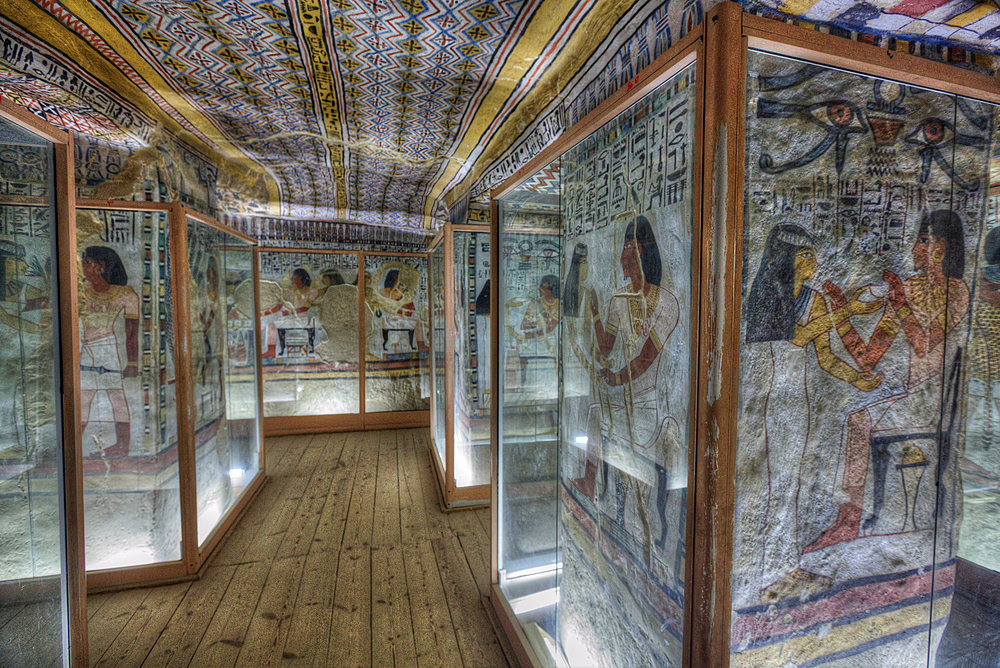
x=452, y=496
x=197, y=558
x=719, y=46
x=362, y=420
x=194, y=557
x=723, y=148
x=69, y=349
x=688, y=50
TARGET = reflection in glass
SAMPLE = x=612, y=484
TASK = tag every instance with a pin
x=472, y=379
x=309, y=329
x=397, y=326
x=528, y=450
x=972, y=635
x=223, y=350
x=438, y=425
x=31, y=594
x=596, y=303
x=626, y=374
x=127, y=388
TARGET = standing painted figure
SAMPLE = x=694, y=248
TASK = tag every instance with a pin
x=640, y=319
x=105, y=297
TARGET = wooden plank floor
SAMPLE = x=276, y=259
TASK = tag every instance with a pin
x=343, y=560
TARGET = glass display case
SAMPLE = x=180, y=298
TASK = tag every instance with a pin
x=42, y=588
x=439, y=410
x=309, y=325
x=595, y=264
x=128, y=385
x=769, y=439
x=461, y=431
x=340, y=357
x=397, y=333
x=168, y=317
x=865, y=342
x=222, y=310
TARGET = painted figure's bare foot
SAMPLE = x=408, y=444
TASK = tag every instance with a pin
x=796, y=584
x=846, y=528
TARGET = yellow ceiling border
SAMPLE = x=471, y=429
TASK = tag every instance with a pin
x=587, y=36
x=46, y=27
x=322, y=63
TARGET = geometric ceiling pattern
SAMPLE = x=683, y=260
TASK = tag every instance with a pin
x=974, y=23
x=370, y=110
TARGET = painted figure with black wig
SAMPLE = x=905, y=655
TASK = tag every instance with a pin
x=925, y=308
x=105, y=297
x=793, y=319
x=640, y=319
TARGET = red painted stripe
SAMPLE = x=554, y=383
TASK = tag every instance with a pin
x=854, y=601
x=916, y=8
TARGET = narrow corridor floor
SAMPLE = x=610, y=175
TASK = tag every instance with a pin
x=344, y=560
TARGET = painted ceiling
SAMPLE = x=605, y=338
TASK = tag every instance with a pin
x=376, y=111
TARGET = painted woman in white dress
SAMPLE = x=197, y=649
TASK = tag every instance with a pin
x=793, y=320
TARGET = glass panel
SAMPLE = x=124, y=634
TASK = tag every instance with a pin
x=596, y=294
x=127, y=388
x=397, y=321
x=223, y=352
x=32, y=593
x=438, y=320
x=528, y=453
x=309, y=329
x=972, y=634
x=626, y=382
x=863, y=212
x=425, y=358
x=472, y=379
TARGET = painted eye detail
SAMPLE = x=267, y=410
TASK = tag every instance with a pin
x=839, y=114
x=836, y=116
x=839, y=119
x=934, y=136
x=932, y=132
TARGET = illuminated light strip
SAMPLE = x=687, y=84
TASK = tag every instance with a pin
x=536, y=601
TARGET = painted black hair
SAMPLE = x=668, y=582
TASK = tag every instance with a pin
x=304, y=275
x=391, y=277
x=114, y=269
x=483, y=300
x=769, y=311
x=991, y=247
x=947, y=226
x=571, y=291
x=333, y=276
x=649, y=255
x=553, y=282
